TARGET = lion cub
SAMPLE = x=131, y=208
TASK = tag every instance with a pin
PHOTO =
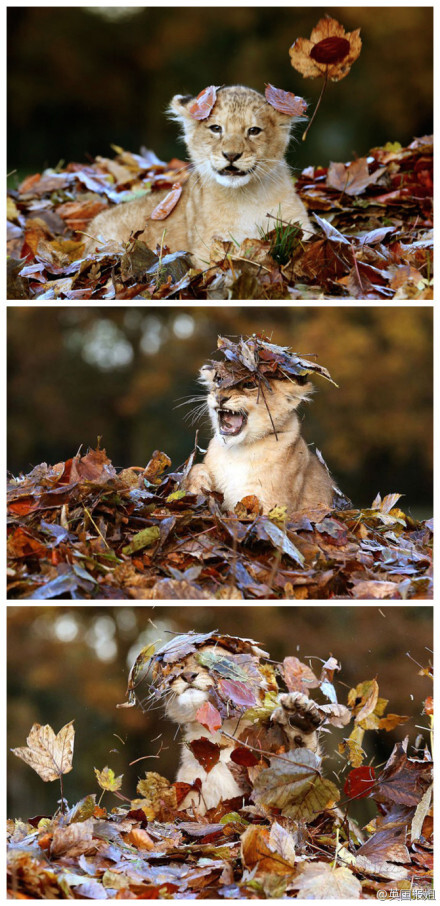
x=296, y=717
x=257, y=448
x=239, y=181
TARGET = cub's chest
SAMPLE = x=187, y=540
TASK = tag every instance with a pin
x=237, y=471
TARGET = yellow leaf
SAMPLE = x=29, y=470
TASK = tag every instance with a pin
x=107, y=779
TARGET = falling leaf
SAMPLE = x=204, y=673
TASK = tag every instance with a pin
x=167, y=205
x=298, y=676
x=209, y=717
x=330, y=51
x=201, y=108
x=107, y=779
x=48, y=754
x=285, y=101
x=207, y=753
x=359, y=782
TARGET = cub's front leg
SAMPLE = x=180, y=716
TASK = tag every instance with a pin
x=198, y=480
x=300, y=718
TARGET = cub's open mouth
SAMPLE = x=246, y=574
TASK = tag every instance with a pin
x=230, y=423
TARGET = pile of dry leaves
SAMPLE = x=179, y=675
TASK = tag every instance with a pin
x=285, y=837
x=373, y=239
x=79, y=529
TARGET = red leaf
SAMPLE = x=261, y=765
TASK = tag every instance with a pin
x=285, y=101
x=209, y=717
x=207, y=753
x=203, y=104
x=360, y=782
x=164, y=208
x=244, y=756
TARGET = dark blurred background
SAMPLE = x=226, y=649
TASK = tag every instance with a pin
x=70, y=663
x=76, y=373
x=83, y=78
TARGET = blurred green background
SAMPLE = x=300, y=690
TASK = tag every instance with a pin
x=120, y=373
x=82, y=78
x=68, y=663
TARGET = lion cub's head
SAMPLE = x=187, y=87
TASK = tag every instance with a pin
x=241, y=140
x=246, y=413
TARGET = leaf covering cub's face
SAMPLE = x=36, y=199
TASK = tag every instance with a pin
x=246, y=413
x=241, y=140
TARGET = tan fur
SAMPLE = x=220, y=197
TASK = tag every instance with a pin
x=191, y=690
x=216, y=204
x=278, y=468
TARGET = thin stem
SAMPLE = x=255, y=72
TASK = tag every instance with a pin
x=317, y=106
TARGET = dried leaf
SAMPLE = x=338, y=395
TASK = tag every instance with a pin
x=330, y=52
x=209, y=717
x=167, y=205
x=321, y=881
x=107, y=779
x=48, y=754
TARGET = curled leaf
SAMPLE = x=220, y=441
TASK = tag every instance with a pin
x=285, y=101
x=203, y=104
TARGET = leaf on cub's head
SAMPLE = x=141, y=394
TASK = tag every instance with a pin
x=203, y=103
x=285, y=101
x=48, y=754
x=255, y=360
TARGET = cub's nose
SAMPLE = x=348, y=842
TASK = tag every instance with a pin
x=232, y=155
x=189, y=677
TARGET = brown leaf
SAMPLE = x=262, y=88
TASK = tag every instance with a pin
x=322, y=881
x=403, y=780
x=352, y=178
x=48, y=754
x=207, y=753
x=297, y=676
x=258, y=851
x=285, y=101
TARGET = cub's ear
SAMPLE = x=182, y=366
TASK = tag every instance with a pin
x=207, y=376
x=178, y=109
x=296, y=391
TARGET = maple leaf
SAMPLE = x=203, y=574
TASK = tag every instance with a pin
x=330, y=51
x=48, y=754
x=321, y=881
x=107, y=779
x=297, y=676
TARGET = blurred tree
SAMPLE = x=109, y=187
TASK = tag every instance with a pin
x=72, y=662
x=82, y=78
x=76, y=373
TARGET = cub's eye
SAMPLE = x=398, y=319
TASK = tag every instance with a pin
x=216, y=128
x=254, y=130
x=249, y=385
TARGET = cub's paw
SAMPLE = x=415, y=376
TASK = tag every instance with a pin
x=198, y=480
x=300, y=718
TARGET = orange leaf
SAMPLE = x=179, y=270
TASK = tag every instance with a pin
x=209, y=717
x=164, y=208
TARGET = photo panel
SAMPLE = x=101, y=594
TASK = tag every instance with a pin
x=195, y=452
x=229, y=768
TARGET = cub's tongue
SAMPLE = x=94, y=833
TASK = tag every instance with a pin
x=230, y=422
